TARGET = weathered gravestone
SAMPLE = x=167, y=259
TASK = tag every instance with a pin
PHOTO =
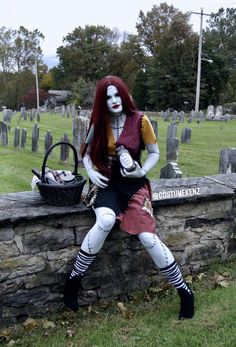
x=35, y=136
x=4, y=133
x=48, y=141
x=23, y=138
x=64, y=155
x=155, y=127
x=79, y=127
x=171, y=169
x=186, y=135
x=17, y=137
x=210, y=112
x=219, y=113
x=227, y=161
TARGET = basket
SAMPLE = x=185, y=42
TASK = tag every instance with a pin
x=62, y=194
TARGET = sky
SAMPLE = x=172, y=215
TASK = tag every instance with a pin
x=56, y=18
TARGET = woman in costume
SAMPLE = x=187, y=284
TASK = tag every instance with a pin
x=119, y=194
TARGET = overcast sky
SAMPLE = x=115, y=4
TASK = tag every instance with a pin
x=56, y=18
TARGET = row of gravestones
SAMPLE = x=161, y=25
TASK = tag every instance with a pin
x=179, y=117
x=79, y=130
x=80, y=126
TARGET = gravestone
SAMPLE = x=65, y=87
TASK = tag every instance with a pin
x=23, y=138
x=4, y=114
x=171, y=170
x=155, y=127
x=219, y=113
x=79, y=127
x=181, y=116
x=17, y=137
x=227, y=161
x=38, y=117
x=174, y=116
x=210, y=112
x=35, y=136
x=191, y=116
x=68, y=111
x=4, y=133
x=186, y=135
x=172, y=145
x=64, y=154
x=48, y=142
x=63, y=110
x=172, y=130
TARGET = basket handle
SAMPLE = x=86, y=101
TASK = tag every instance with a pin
x=75, y=172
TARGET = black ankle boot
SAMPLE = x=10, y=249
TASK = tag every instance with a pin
x=186, y=303
x=70, y=295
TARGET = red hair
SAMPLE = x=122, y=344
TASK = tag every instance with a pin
x=100, y=119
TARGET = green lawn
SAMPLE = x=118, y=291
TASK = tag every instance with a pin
x=148, y=319
x=199, y=158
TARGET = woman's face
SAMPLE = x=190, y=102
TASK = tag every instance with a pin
x=114, y=102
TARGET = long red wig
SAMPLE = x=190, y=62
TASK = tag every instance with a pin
x=100, y=119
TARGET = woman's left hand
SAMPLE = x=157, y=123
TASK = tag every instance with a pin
x=136, y=173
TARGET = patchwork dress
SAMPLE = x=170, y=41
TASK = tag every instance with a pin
x=129, y=198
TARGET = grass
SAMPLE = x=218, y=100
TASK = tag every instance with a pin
x=199, y=158
x=147, y=319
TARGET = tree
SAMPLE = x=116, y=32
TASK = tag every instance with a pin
x=85, y=54
x=220, y=46
x=168, y=39
x=30, y=98
x=19, y=49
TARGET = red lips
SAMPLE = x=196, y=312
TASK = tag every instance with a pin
x=115, y=106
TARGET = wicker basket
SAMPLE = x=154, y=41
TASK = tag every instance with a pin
x=62, y=194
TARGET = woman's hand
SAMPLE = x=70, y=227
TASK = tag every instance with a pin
x=136, y=173
x=97, y=178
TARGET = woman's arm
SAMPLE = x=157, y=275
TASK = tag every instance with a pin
x=94, y=175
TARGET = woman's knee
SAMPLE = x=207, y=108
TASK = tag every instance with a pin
x=107, y=220
x=148, y=240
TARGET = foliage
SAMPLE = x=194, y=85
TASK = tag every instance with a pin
x=220, y=45
x=86, y=53
x=19, y=49
x=83, y=93
x=169, y=39
x=159, y=63
x=30, y=98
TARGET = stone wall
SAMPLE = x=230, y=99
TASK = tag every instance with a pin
x=38, y=243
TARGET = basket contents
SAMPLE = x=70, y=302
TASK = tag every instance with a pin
x=59, y=187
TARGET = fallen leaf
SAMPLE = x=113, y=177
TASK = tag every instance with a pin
x=189, y=279
x=201, y=275
x=30, y=324
x=48, y=324
x=70, y=333
x=224, y=284
x=122, y=308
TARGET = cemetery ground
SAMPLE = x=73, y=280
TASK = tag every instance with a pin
x=198, y=158
x=146, y=319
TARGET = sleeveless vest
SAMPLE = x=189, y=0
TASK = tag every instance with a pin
x=130, y=137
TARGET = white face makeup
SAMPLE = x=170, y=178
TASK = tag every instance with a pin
x=114, y=102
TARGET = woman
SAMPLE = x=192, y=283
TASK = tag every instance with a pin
x=118, y=193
